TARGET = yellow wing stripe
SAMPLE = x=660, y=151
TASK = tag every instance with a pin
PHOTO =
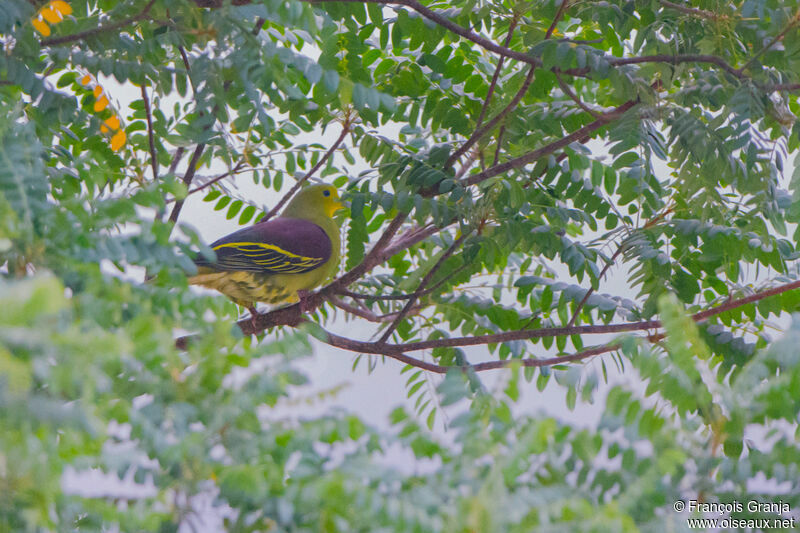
x=269, y=256
x=265, y=246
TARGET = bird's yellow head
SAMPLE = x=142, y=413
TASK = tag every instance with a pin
x=320, y=197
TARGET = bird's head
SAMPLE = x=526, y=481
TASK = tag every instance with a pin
x=322, y=197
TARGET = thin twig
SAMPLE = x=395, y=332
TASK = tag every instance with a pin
x=391, y=297
x=496, y=75
x=424, y=283
x=568, y=91
x=535, y=61
x=702, y=13
x=367, y=347
x=296, y=187
x=216, y=179
x=589, y=292
x=480, y=132
x=366, y=314
x=55, y=41
x=561, y=9
x=150, y=135
x=499, y=146
x=792, y=23
x=187, y=180
x=550, y=148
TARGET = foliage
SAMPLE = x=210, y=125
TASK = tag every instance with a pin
x=566, y=186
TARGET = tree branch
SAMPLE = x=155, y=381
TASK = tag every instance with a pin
x=561, y=9
x=296, y=187
x=530, y=157
x=187, y=180
x=363, y=347
x=496, y=75
x=569, y=92
x=150, y=136
x=603, y=272
x=417, y=293
x=55, y=41
x=792, y=23
x=213, y=180
x=480, y=132
x=366, y=314
x=424, y=283
x=702, y=13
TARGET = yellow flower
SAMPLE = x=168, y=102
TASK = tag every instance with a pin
x=118, y=140
x=61, y=6
x=113, y=122
x=101, y=104
x=51, y=15
x=41, y=27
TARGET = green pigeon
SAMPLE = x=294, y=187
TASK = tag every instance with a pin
x=278, y=260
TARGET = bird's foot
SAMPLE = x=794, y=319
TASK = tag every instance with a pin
x=253, y=316
x=303, y=299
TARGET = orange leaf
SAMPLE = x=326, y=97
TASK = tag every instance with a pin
x=98, y=91
x=113, y=122
x=101, y=104
x=62, y=7
x=50, y=15
x=118, y=140
x=86, y=80
x=103, y=128
x=41, y=27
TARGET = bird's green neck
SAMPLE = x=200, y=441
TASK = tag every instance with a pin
x=305, y=212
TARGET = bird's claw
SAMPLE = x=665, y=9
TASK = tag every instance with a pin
x=303, y=300
x=253, y=316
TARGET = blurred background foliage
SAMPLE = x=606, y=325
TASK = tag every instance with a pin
x=690, y=189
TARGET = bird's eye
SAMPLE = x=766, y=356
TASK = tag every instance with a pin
x=326, y=193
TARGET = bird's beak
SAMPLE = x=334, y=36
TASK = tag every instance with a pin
x=335, y=205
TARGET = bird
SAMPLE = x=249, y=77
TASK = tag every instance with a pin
x=278, y=260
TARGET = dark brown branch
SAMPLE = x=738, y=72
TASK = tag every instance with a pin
x=55, y=41
x=290, y=316
x=550, y=148
x=216, y=179
x=366, y=314
x=408, y=239
x=576, y=330
x=364, y=347
x=496, y=75
x=296, y=187
x=176, y=159
x=569, y=92
x=561, y=9
x=422, y=285
x=702, y=13
x=535, y=61
x=498, y=148
x=790, y=87
x=416, y=294
x=792, y=23
x=480, y=132
x=603, y=272
x=150, y=136
x=187, y=180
